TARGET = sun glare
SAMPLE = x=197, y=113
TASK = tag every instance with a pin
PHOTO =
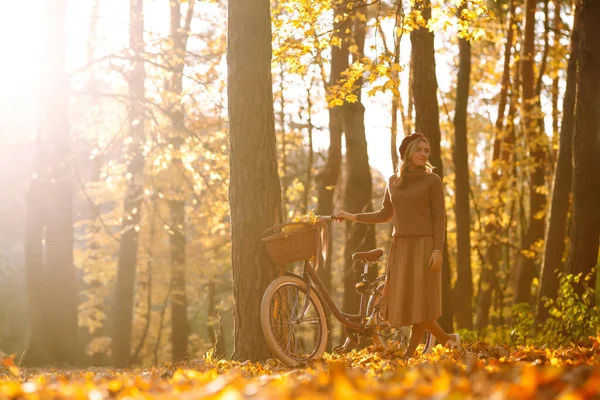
x=19, y=45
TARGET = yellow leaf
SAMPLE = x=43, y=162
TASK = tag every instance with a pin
x=352, y=98
x=336, y=103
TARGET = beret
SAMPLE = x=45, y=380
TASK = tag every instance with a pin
x=408, y=140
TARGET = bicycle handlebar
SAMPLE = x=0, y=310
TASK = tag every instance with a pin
x=328, y=218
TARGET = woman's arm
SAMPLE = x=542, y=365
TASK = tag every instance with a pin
x=438, y=213
x=383, y=215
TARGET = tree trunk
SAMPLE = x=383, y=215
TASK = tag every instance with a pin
x=327, y=179
x=214, y=326
x=51, y=276
x=179, y=320
x=411, y=98
x=526, y=269
x=585, y=231
x=359, y=186
x=310, y=155
x=176, y=194
x=254, y=191
x=128, y=246
x=464, y=283
x=427, y=121
x=396, y=99
x=555, y=85
x=500, y=157
x=554, y=246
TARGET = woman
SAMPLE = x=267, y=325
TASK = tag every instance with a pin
x=413, y=288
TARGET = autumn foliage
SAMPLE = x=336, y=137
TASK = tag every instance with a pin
x=478, y=371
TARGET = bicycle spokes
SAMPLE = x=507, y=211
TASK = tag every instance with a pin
x=294, y=322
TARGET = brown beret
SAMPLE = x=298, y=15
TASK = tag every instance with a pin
x=408, y=140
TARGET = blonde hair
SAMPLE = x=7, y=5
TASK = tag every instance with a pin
x=405, y=161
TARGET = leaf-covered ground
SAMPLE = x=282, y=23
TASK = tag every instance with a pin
x=478, y=371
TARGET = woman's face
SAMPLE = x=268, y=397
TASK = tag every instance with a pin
x=420, y=155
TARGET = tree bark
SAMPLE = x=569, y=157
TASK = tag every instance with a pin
x=585, y=230
x=128, y=246
x=254, y=191
x=52, y=282
x=526, y=269
x=554, y=246
x=464, y=283
x=427, y=121
x=359, y=186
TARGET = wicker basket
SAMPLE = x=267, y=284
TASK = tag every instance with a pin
x=286, y=247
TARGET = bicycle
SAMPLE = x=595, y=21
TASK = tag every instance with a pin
x=292, y=313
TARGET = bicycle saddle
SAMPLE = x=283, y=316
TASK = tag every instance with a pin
x=371, y=255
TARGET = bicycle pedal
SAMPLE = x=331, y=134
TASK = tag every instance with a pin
x=338, y=349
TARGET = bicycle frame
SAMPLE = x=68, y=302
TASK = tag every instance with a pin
x=311, y=277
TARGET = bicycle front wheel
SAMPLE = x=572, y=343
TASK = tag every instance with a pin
x=387, y=337
x=292, y=335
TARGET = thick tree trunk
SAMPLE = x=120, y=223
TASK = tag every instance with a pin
x=585, y=231
x=359, y=186
x=526, y=269
x=128, y=246
x=500, y=157
x=254, y=191
x=463, y=291
x=554, y=246
x=427, y=121
x=49, y=242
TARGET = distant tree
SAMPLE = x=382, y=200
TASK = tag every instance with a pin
x=359, y=185
x=536, y=142
x=463, y=291
x=254, y=192
x=328, y=178
x=52, y=284
x=585, y=230
x=501, y=153
x=176, y=187
x=554, y=244
x=129, y=240
x=427, y=121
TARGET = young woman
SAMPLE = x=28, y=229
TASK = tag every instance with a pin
x=413, y=287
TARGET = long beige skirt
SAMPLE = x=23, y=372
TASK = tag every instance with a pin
x=412, y=293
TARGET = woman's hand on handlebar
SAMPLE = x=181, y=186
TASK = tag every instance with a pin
x=343, y=215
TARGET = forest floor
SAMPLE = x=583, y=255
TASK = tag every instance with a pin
x=479, y=370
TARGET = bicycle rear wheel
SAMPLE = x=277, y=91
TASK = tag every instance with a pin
x=387, y=337
x=292, y=337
